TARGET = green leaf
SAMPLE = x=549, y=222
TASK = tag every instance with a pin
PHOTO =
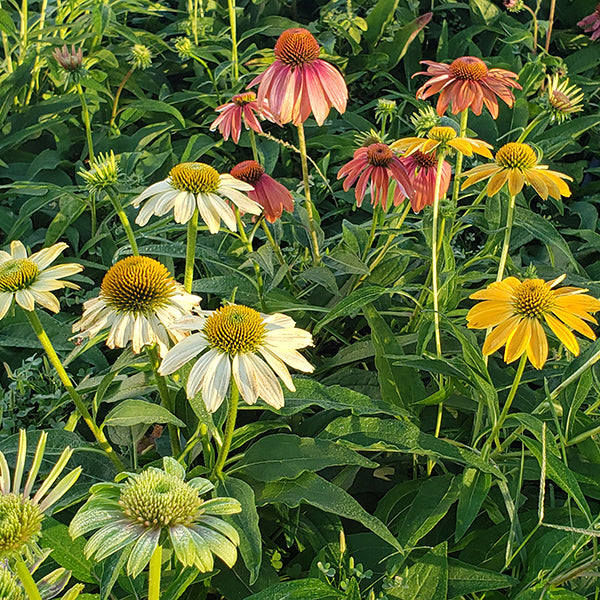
x=464, y=579
x=71, y=207
x=427, y=579
x=134, y=412
x=285, y=456
x=302, y=589
x=474, y=488
x=377, y=20
x=147, y=105
x=484, y=10
x=346, y=263
x=403, y=38
x=246, y=523
x=401, y=386
x=322, y=494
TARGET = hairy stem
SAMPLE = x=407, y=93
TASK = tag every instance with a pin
x=85, y=115
x=31, y=589
x=125, y=222
x=115, y=105
x=464, y=118
x=190, y=253
x=507, y=233
x=229, y=429
x=234, y=50
x=154, y=572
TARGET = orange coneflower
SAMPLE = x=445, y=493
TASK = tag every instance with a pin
x=517, y=164
x=243, y=108
x=299, y=82
x=516, y=309
x=467, y=83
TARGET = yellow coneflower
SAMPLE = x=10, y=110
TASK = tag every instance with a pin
x=562, y=100
x=516, y=310
x=517, y=165
x=443, y=139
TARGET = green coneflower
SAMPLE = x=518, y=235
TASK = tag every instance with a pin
x=154, y=507
x=9, y=586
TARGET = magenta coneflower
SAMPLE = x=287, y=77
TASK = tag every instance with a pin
x=467, y=83
x=376, y=165
x=242, y=108
x=299, y=82
x=422, y=169
x=591, y=24
x=267, y=192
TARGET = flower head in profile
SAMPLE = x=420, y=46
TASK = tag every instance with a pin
x=425, y=119
x=514, y=5
x=444, y=140
x=562, y=100
x=71, y=62
x=422, y=169
x=243, y=109
x=133, y=513
x=192, y=186
x=238, y=340
x=299, y=83
x=31, y=279
x=22, y=508
x=10, y=589
x=467, y=83
x=141, y=57
x=591, y=24
x=139, y=301
x=376, y=166
x=517, y=165
x=517, y=310
x=270, y=194
x=103, y=173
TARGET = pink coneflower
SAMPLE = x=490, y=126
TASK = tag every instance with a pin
x=591, y=24
x=376, y=165
x=267, y=192
x=422, y=169
x=242, y=108
x=467, y=83
x=299, y=82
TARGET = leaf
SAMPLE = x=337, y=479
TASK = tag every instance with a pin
x=302, y=589
x=322, y=494
x=485, y=10
x=71, y=207
x=285, y=456
x=474, y=488
x=147, y=105
x=346, y=263
x=246, y=523
x=464, y=579
x=321, y=275
x=377, y=20
x=427, y=579
x=351, y=305
x=401, y=386
x=403, y=38
x=134, y=412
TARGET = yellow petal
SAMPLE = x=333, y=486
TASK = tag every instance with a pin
x=478, y=173
x=518, y=342
x=496, y=182
x=563, y=334
x=488, y=314
x=574, y=322
x=537, y=350
x=500, y=334
x=462, y=145
x=538, y=182
x=515, y=181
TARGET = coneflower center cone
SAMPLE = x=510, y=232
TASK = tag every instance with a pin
x=441, y=134
x=235, y=329
x=243, y=99
x=428, y=160
x=17, y=274
x=248, y=171
x=297, y=47
x=469, y=68
x=379, y=155
x=20, y=524
x=137, y=284
x=515, y=155
x=533, y=299
x=195, y=178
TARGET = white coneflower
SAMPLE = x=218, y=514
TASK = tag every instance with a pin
x=138, y=301
x=29, y=279
x=197, y=185
x=231, y=339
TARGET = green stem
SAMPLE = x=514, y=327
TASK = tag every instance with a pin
x=125, y=222
x=464, y=118
x=154, y=574
x=24, y=26
x=511, y=396
x=535, y=27
x=85, y=115
x=374, y=221
x=38, y=328
x=434, y=257
x=165, y=397
x=36, y=65
x=115, y=106
x=31, y=589
x=254, y=148
x=530, y=128
x=234, y=50
x=278, y=254
x=309, y=204
x=507, y=233
x=190, y=254
x=229, y=429
x=259, y=280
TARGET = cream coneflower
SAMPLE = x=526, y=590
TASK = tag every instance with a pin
x=561, y=99
x=139, y=301
x=516, y=310
x=230, y=340
x=442, y=139
x=517, y=165
x=21, y=509
x=131, y=515
x=467, y=83
x=30, y=279
x=196, y=185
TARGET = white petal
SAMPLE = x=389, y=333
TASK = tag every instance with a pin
x=209, y=215
x=18, y=250
x=46, y=256
x=278, y=320
x=279, y=367
x=4, y=257
x=227, y=180
x=242, y=201
x=47, y=300
x=270, y=390
x=146, y=212
x=155, y=188
x=5, y=302
x=216, y=381
x=246, y=378
x=290, y=338
x=60, y=271
x=182, y=353
x=224, y=210
x=184, y=207
x=25, y=299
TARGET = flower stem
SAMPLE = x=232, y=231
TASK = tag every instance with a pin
x=254, y=148
x=125, y=222
x=550, y=24
x=115, y=106
x=530, y=128
x=464, y=118
x=234, y=50
x=248, y=244
x=190, y=254
x=309, y=204
x=38, y=328
x=434, y=256
x=165, y=397
x=229, y=429
x=154, y=574
x=278, y=254
x=507, y=233
x=511, y=396
x=31, y=589
x=535, y=26
x=374, y=221
x=85, y=115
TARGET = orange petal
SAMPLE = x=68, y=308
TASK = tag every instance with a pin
x=515, y=181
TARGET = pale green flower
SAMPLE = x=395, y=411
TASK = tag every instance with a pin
x=10, y=589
